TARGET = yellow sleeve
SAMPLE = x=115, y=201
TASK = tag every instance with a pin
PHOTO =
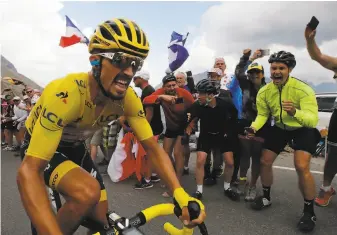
x=135, y=115
x=58, y=106
x=307, y=115
x=263, y=111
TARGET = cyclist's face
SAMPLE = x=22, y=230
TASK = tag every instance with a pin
x=120, y=83
x=279, y=73
x=170, y=88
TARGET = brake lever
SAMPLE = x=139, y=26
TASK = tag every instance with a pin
x=194, y=211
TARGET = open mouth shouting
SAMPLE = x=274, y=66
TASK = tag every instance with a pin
x=121, y=83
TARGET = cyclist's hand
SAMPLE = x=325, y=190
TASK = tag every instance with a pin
x=289, y=107
x=309, y=34
x=168, y=98
x=182, y=198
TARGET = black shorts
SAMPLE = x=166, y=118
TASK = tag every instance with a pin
x=10, y=126
x=66, y=157
x=332, y=134
x=174, y=134
x=304, y=139
x=208, y=142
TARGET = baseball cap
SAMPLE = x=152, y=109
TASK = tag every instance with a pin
x=143, y=74
x=215, y=70
x=25, y=97
x=255, y=66
x=16, y=98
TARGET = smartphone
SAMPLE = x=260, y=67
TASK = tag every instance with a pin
x=265, y=52
x=313, y=23
x=189, y=73
x=180, y=100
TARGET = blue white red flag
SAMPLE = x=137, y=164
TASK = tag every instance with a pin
x=178, y=54
x=73, y=35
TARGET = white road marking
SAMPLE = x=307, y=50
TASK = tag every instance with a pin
x=293, y=169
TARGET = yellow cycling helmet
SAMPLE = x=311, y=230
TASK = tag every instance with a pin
x=119, y=35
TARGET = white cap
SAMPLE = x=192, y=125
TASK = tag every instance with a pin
x=36, y=90
x=143, y=74
x=25, y=97
x=16, y=98
x=215, y=70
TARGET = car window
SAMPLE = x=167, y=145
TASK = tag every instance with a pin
x=325, y=104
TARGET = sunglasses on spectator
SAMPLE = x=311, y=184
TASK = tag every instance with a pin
x=124, y=61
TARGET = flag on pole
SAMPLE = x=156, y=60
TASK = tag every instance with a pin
x=73, y=35
x=178, y=54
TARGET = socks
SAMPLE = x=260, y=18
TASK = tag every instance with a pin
x=199, y=188
x=309, y=206
x=266, y=192
x=227, y=185
x=186, y=168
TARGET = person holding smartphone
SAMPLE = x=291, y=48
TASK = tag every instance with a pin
x=175, y=101
x=330, y=168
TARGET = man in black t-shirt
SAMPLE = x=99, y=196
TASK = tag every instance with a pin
x=141, y=80
x=218, y=118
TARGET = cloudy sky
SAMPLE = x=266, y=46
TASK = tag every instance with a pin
x=30, y=32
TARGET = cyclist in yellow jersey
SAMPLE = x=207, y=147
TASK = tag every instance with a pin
x=293, y=106
x=71, y=109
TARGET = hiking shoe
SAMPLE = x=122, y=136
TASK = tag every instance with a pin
x=143, y=184
x=324, y=198
x=155, y=178
x=197, y=195
x=260, y=202
x=231, y=194
x=250, y=194
x=307, y=222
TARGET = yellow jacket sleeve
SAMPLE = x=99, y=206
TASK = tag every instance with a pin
x=307, y=115
x=263, y=111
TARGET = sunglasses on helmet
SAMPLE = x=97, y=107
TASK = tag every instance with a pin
x=124, y=61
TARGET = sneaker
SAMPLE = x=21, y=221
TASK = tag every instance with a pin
x=155, y=178
x=143, y=184
x=260, y=202
x=231, y=194
x=324, y=198
x=8, y=148
x=210, y=181
x=197, y=195
x=251, y=194
x=307, y=222
x=186, y=171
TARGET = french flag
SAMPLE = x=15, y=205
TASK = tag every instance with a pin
x=73, y=35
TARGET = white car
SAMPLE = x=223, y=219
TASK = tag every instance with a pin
x=325, y=103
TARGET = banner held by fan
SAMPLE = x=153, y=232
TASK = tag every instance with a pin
x=178, y=54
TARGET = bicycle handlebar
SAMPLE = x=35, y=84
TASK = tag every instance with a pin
x=155, y=211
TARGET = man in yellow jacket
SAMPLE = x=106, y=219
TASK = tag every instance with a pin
x=293, y=106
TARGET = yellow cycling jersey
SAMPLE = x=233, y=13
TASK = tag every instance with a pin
x=269, y=103
x=65, y=112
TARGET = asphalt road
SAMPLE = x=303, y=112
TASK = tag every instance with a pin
x=223, y=215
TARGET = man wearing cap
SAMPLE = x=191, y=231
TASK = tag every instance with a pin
x=32, y=95
x=175, y=101
x=152, y=112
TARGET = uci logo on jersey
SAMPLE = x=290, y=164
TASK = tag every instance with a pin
x=81, y=83
x=63, y=96
x=51, y=121
x=106, y=119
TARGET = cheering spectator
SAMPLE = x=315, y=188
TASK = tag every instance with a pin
x=175, y=102
x=330, y=168
x=32, y=95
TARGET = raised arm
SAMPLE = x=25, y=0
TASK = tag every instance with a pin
x=315, y=53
